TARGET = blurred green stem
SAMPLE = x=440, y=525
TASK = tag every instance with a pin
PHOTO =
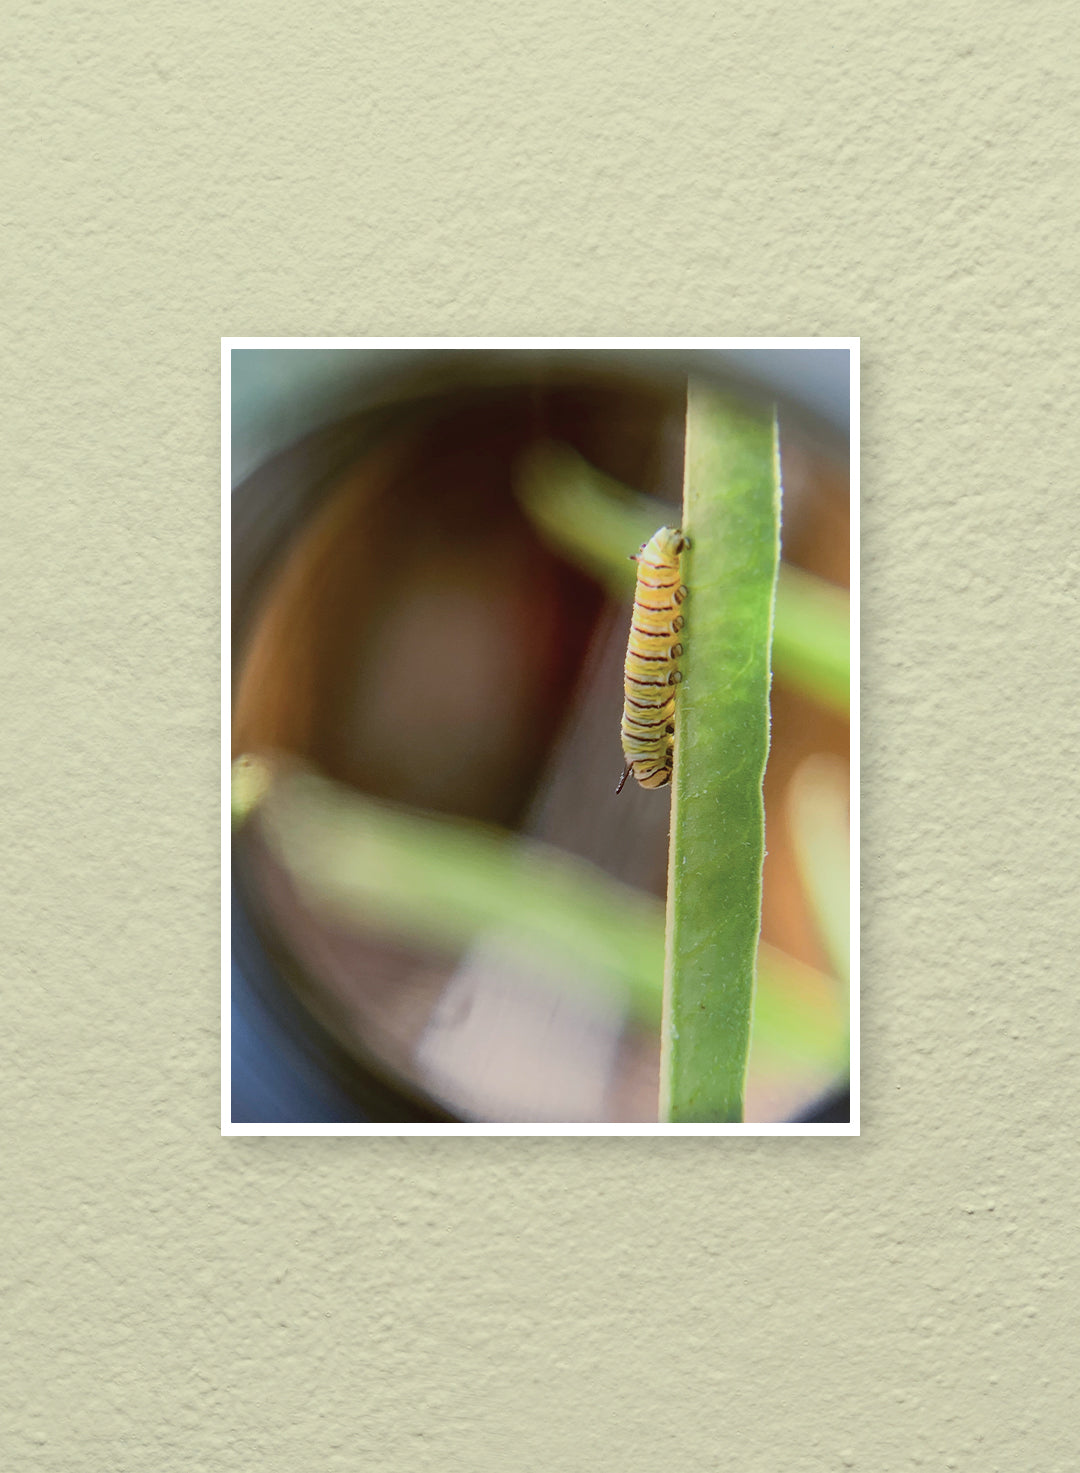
x=817, y=801
x=444, y=883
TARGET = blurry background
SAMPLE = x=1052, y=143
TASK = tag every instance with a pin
x=443, y=910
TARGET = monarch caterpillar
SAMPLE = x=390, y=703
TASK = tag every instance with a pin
x=651, y=673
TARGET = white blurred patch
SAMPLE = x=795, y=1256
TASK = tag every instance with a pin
x=514, y=1040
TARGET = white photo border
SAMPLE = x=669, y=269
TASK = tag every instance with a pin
x=376, y=1128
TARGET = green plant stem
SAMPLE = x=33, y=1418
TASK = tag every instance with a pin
x=731, y=516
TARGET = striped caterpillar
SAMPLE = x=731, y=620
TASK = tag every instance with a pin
x=651, y=673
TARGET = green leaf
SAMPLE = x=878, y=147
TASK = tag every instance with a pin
x=731, y=515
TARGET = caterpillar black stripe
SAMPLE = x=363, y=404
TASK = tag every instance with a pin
x=651, y=671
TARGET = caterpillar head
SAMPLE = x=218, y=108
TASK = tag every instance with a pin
x=668, y=542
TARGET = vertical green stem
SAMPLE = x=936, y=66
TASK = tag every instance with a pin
x=731, y=516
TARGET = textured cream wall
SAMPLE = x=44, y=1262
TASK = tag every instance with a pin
x=185, y=1304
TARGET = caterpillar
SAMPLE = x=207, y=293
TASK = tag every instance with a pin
x=651, y=673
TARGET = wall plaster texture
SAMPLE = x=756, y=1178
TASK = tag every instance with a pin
x=176, y=1301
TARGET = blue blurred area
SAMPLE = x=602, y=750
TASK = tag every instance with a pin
x=815, y=379
x=281, y=394
x=275, y=1079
